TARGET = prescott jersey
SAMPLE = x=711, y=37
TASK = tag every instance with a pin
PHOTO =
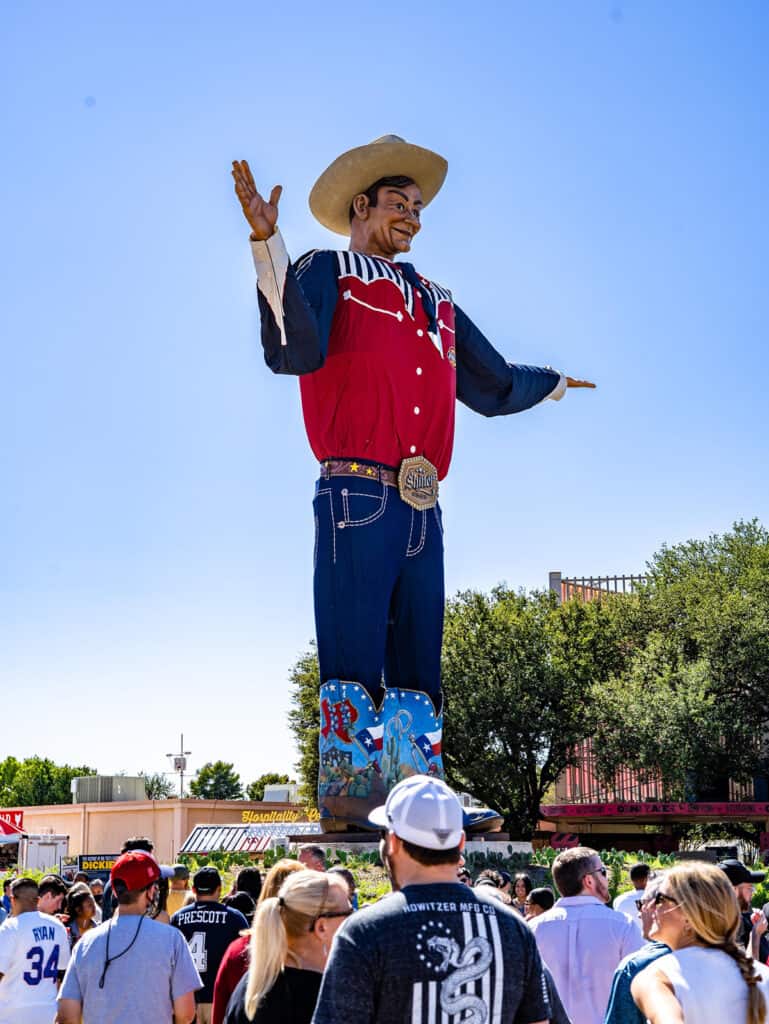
x=209, y=928
x=34, y=950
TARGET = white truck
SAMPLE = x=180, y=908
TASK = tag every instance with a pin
x=42, y=851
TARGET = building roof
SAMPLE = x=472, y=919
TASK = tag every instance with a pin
x=243, y=838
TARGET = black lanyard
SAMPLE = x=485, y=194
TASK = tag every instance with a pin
x=109, y=960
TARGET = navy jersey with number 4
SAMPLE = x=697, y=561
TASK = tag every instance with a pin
x=34, y=950
x=209, y=928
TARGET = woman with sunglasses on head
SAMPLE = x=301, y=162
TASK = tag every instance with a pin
x=290, y=942
x=707, y=978
x=235, y=960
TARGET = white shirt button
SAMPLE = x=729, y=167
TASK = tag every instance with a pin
x=420, y=333
x=416, y=410
x=413, y=449
x=419, y=371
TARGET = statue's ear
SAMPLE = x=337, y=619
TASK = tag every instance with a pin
x=360, y=206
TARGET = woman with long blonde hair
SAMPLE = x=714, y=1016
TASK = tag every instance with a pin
x=707, y=978
x=235, y=961
x=290, y=942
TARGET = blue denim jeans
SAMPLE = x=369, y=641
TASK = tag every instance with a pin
x=378, y=585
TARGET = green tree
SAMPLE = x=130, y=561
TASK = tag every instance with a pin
x=157, y=786
x=217, y=780
x=691, y=707
x=303, y=719
x=516, y=672
x=8, y=768
x=37, y=780
x=255, y=789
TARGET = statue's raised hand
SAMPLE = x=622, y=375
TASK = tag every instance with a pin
x=260, y=214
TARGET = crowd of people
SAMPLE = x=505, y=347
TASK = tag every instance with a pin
x=156, y=946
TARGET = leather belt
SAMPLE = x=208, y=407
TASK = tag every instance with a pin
x=349, y=467
x=416, y=478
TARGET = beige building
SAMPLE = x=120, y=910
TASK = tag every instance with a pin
x=103, y=827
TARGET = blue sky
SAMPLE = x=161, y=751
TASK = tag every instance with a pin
x=605, y=212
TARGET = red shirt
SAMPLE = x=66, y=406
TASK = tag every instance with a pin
x=382, y=354
x=387, y=389
x=232, y=968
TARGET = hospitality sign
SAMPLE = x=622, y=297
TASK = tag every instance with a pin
x=282, y=817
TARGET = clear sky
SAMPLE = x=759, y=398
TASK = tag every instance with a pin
x=606, y=211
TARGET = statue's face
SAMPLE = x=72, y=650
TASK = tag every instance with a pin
x=391, y=225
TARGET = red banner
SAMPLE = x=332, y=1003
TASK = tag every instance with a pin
x=640, y=810
x=11, y=822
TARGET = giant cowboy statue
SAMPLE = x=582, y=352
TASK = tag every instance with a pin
x=382, y=353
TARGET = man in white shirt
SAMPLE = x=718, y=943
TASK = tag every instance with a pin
x=34, y=953
x=628, y=903
x=582, y=939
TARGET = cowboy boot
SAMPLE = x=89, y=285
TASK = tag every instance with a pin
x=350, y=783
x=412, y=745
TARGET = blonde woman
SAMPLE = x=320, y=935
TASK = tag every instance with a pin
x=707, y=978
x=290, y=942
x=277, y=875
x=235, y=960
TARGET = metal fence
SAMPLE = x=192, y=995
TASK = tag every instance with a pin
x=588, y=588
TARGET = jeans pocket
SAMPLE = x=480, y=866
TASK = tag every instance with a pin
x=417, y=533
x=360, y=508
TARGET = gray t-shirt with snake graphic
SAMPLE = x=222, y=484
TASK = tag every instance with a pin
x=433, y=954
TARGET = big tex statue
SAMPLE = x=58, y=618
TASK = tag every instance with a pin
x=382, y=353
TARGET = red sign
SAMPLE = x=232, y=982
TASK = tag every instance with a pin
x=655, y=810
x=11, y=822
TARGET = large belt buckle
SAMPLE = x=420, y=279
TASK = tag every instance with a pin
x=418, y=483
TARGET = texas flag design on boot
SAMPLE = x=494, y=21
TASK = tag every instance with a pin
x=350, y=745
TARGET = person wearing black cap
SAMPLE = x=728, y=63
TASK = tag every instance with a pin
x=209, y=927
x=744, y=881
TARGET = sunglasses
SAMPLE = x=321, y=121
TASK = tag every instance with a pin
x=332, y=913
x=598, y=871
x=662, y=897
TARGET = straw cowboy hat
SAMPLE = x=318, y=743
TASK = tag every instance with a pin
x=357, y=169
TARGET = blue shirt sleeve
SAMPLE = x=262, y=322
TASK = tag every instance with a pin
x=309, y=300
x=70, y=987
x=489, y=385
x=184, y=974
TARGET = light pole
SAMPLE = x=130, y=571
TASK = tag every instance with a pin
x=180, y=764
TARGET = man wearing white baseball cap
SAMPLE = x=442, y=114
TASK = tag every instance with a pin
x=433, y=949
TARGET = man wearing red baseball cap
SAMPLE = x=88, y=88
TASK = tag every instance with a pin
x=131, y=968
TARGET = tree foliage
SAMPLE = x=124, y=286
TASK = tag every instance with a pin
x=37, y=780
x=217, y=780
x=517, y=674
x=255, y=789
x=671, y=681
x=158, y=786
x=691, y=709
x=303, y=719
